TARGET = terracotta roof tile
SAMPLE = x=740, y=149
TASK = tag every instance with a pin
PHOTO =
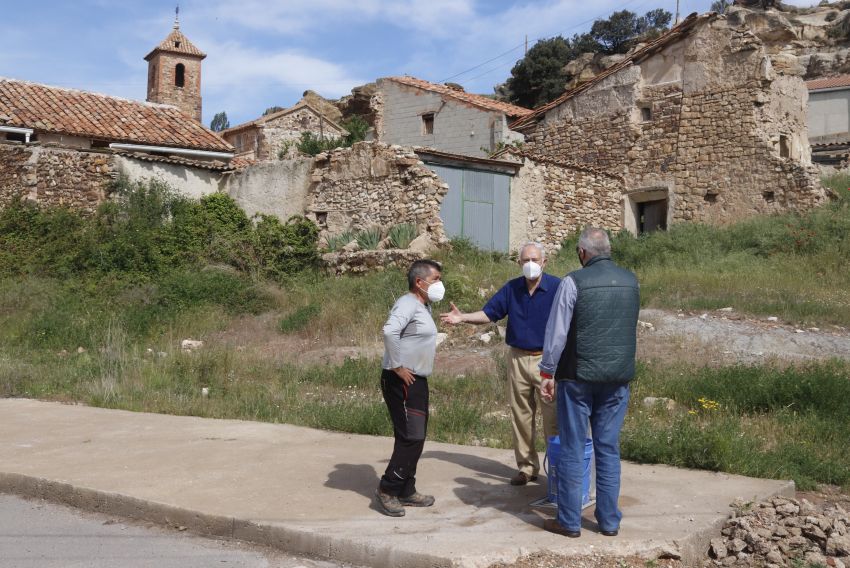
x=671, y=36
x=80, y=113
x=480, y=101
x=829, y=82
x=176, y=42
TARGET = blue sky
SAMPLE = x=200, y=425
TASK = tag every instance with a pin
x=268, y=52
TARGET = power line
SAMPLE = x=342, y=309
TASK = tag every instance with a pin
x=525, y=43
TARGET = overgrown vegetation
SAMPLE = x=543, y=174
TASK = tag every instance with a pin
x=93, y=310
x=313, y=144
x=146, y=232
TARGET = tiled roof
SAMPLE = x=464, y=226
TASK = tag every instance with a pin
x=80, y=113
x=651, y=48
x=480, y=101
x=275, y=115
x=176, y=42
x=214, y=165
x=829, y=82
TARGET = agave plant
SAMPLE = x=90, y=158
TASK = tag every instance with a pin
x=369, y=239
x=402, y=235
x=336, y=242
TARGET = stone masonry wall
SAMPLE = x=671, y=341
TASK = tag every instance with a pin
x=557, y=199
x=725, y=141
x=54, y=176
x=288, y=128
x=375, y=185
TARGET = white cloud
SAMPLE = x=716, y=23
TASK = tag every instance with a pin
x=245, y=80
x=294, y=17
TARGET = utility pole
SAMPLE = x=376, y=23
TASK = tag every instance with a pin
x=677, y=13
x=526, y=44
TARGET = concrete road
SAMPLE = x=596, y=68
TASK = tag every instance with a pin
x=36, y=534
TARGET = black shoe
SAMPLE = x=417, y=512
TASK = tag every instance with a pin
x=522, y=478
x=553, y=526
x=614, y=532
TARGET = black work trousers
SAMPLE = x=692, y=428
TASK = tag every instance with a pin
x=408, y=406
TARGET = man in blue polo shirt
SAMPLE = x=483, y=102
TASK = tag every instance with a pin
x=526, y=301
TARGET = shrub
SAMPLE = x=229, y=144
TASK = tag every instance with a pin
x=356, y=127
x=369, y=239
x=313, y=145
x=402, y=235
x=282, y=249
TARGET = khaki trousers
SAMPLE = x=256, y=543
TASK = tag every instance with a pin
x=524, y=398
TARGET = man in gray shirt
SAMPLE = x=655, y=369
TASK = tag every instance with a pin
x=410, y=342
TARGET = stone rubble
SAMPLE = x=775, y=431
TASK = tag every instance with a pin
x=784, y=532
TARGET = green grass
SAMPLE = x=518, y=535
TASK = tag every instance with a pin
x=762, y=421
x=759, y=421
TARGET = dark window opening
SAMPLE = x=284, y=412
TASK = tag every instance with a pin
x=710, y=197
x=100, y=143
x=769, y=196
x=176, y=44
x=652, y=216
x=428, y=123
x=784, y=148
x=322, y=218
x=180, y=75
x=16, y=137
x=645, y=113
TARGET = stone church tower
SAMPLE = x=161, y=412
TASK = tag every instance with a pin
x=174, y=73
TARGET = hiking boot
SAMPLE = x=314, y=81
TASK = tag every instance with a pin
x=390, y=504
x=417, y=500
x=522, y=478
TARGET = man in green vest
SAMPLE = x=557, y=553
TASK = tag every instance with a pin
x=589, y=359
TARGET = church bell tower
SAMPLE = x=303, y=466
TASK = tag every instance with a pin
x=174, y=72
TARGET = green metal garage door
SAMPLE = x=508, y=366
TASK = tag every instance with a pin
x=476, y=207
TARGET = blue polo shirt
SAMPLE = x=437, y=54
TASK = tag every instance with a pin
x=527, y=314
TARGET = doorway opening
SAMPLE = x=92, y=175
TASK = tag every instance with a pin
x=646, y=211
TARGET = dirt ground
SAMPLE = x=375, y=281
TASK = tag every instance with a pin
x=721, y=337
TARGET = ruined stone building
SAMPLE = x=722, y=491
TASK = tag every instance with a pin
x=413, y=112
x=269, y=137
x=694, y=126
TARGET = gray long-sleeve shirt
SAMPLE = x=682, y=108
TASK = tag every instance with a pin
x=558, y=325
x=410, y=337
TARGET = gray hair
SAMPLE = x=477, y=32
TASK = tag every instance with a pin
x=533, y=244
x=595, y=242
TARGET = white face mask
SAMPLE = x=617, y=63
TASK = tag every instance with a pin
x=532, y=270
x=436, y=291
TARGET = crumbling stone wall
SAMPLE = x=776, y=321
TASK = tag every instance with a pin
x=551, y=200
x=54, y=176
x=375, y=185
x=288, y=128
x=722, y=135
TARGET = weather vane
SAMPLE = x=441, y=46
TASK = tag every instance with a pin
x=177, y=17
